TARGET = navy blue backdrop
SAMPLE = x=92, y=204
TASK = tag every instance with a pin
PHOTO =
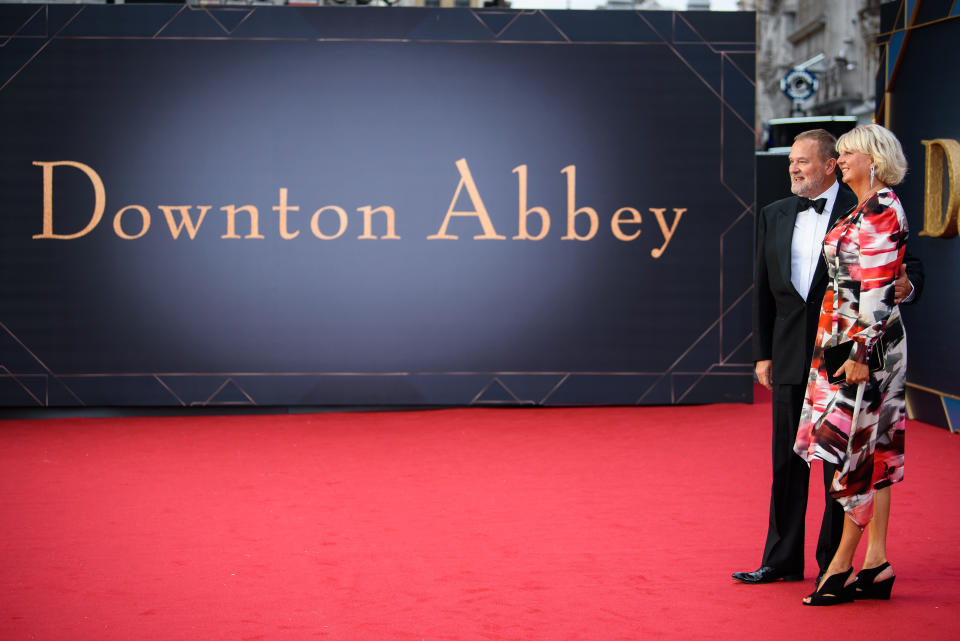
x=923, y=93
x=388, y=157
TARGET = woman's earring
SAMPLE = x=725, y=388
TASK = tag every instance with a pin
x=873, y=172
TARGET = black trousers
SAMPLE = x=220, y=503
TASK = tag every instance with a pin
x=788, y=495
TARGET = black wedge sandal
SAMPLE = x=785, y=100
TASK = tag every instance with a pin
x=834, y=591
x=867, y=588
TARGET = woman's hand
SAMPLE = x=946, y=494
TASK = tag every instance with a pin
x=855, y=372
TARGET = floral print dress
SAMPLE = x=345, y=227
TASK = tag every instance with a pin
x=859, y=301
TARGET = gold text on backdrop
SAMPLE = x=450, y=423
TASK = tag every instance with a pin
x=938, y=222
x=623, y=216
x=330, y=222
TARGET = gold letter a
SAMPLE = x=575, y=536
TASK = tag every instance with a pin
x=466, y=179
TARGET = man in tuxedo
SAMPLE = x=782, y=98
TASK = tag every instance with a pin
x=791, y=279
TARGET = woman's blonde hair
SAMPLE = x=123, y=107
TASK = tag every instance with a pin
x=882, y=146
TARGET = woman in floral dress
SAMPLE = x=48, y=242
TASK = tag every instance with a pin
x=864, y=440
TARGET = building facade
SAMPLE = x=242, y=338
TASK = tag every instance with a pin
x=835, y=41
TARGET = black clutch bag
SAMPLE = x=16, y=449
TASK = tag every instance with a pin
x=834, y=358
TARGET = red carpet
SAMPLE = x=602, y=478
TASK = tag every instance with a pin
x=532, y=524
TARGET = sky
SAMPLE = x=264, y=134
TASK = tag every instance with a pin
x=679, y=5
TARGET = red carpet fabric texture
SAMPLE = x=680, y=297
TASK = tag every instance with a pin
x=466, y=524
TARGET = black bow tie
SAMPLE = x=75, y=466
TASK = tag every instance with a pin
x=805, y=203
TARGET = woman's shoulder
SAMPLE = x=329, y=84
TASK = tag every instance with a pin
x=883, y=201
x=887, y=197
x=882, y=212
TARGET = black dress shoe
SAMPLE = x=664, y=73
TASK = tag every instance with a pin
x=766, y=574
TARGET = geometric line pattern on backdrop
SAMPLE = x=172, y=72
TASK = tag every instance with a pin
x=220, y=14
x=535, y=19
x=39, y=362
x=164, y=385
x=933, y=406
x=232, y=383
x=23, y=25
x=169, y=22
x=205, y=19
x=706, y=332
x=499, y=383
x=563, y=380
x=542, y=16
x=229, y=382
x=723, y=359
x=747, y=207
x=894, y=43
x=690, y=66
x=47, y=40
x=6, y=373
x=497, y=24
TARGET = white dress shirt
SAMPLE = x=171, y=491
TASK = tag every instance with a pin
x=807, y=245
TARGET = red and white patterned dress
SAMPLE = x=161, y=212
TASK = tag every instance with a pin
x=870, y=243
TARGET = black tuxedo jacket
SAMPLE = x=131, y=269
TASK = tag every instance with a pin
x=784, y=325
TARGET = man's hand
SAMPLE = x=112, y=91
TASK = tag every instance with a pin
x=764, y=370
x=902, y=286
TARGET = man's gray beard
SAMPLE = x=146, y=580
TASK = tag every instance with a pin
x=796, y=188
